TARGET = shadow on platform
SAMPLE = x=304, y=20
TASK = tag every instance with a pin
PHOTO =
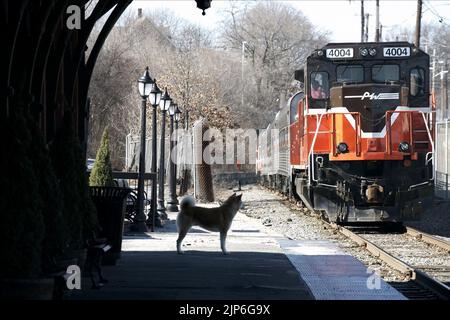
x=165, y=275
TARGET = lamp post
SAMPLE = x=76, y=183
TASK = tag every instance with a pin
x=177, y=120
x=173, y=201
x=145, y=84
x=154, y=99
x=164, y=105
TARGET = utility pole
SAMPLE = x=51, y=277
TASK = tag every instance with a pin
x=242, y=74
x=367, y=28
x=444, y=87
x=362, y=20
x=418, y=21
x=377, y=22
x=433, y=82
x=381, y=32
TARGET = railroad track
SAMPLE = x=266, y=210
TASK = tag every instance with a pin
x=427, y=238
x=426, y=280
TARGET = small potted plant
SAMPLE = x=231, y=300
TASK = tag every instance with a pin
x=101, y=174
x=109, y=200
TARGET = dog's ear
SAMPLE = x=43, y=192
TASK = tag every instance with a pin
x=233, y=195
x=239, y=196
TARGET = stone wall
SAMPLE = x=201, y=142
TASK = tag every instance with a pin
x=231, y=179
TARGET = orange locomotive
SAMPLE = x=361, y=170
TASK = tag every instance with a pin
x=360, y=140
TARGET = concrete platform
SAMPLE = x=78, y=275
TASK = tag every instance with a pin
x=261, y=265
x=334, y=275
x=150, y=268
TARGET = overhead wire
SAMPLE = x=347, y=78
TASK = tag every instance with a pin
x=435, y=12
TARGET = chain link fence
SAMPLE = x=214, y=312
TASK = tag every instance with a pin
x=132, y=153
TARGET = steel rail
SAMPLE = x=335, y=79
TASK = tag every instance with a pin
x=432, y=284
x=376, y=251
x=428, y=238
x=414, y=274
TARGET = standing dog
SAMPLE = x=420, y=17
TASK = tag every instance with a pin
x=212, y=219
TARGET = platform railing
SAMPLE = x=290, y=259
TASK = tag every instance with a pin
x=150, y=181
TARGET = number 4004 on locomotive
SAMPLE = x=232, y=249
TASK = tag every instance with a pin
x=357, y=142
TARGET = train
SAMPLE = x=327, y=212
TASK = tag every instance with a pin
x=356, y=142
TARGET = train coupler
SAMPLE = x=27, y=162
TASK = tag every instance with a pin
x=374, y=193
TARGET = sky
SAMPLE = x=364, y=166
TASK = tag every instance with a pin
x=340, y=17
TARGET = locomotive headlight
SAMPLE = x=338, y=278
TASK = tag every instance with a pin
x=363, y=51
x=404, y=147
x=320, y=53
x=342, y=147
x=372, y=52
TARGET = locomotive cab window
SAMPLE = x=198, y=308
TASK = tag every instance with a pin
x=319, y=85
x=293, y=113
x=416, y=82
x=350, y=73
x=385, y=73
x=295, y=107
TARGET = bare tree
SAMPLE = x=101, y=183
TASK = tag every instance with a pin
x=274, y=47
x=202, y=78
x=175, y=53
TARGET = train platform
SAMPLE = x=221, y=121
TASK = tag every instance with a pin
x=333, y=275
x=261, y=266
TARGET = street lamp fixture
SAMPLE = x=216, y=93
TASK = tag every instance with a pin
x=164, y=106
x=203, y=5
x=172, y=109
x=173, y=201
x=165, y=102
x=155, y=95
x=145, y=84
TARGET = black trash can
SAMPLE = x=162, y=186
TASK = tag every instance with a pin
x=110, y=203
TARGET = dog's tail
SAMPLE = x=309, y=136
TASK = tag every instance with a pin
x=187, y=202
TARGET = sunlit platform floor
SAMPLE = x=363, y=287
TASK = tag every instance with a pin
x=150, y=268
x=262, y=265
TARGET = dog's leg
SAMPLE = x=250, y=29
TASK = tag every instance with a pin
x=223, y=237
x=182, y=233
